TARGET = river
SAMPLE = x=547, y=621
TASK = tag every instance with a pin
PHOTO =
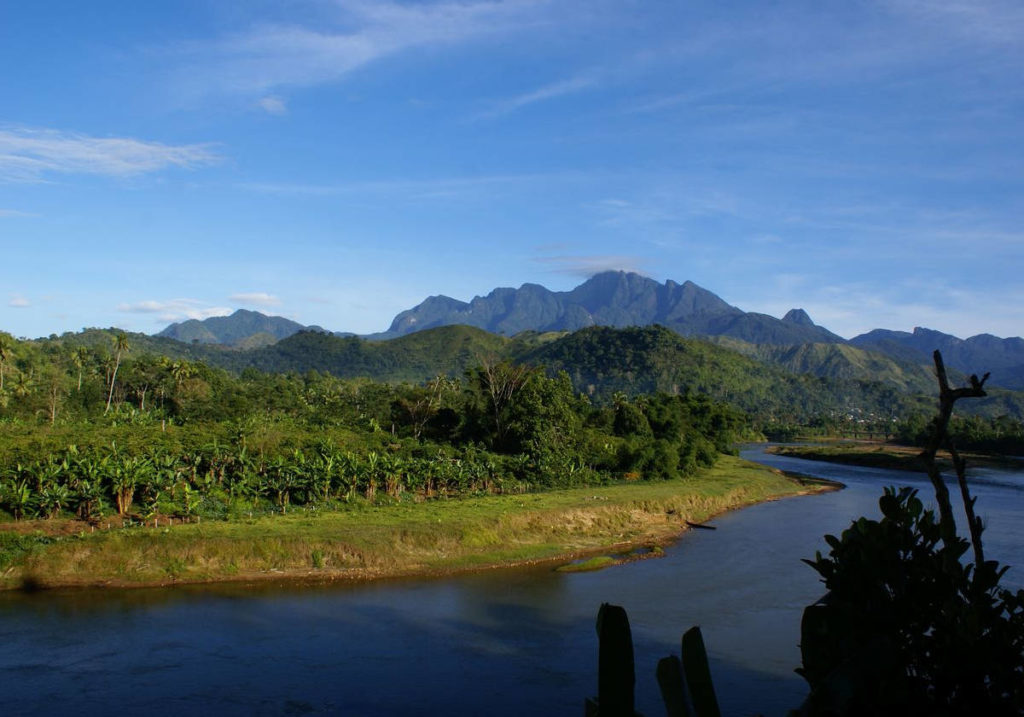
x=502, y=642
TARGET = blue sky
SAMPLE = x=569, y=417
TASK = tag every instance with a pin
x=336, y=162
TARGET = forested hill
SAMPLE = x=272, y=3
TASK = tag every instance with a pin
x=447, y=351
x=843, y=361
x=600, y=361
x=243, y=329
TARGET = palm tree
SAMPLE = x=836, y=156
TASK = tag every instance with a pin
x=120, y=346
x=23, y=385
x=181, y=370
x=80, y=358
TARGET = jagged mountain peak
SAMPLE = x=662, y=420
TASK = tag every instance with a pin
x=609, y=298
x=799, y=317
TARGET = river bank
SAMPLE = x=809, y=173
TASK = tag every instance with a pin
x=886, y=456
x=371, y=542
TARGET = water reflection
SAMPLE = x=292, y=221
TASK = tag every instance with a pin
x=497, y=642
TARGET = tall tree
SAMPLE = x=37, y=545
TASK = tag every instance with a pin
x=80, y=357
x=120, y=346
x=5, y=355
x=499, y=382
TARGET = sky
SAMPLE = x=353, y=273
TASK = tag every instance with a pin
x=337, y=162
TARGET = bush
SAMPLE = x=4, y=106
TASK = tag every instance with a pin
x=906, y=628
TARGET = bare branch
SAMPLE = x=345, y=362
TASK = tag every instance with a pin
x=940, y=435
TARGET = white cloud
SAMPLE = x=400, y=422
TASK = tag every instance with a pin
x=273, y=105
x=273, y=56
x=858, y=307
x=28, y=154
x=586, y=266
x=19, y=302
x=258, y=298
x=547, y=92
x=175, y=309
x=15, y=213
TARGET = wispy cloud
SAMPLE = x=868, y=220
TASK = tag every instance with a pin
x=983, y=21
x=175, y=309
x=410, y=189
x=541, y=94
x=853, y=308
x=28, y=154
x=257, y=298
x=10, y=213
x=273, y=105
x=19, y=302
x=273, y=56
x=586, y=266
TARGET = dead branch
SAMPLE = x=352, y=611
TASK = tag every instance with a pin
x=940, y=435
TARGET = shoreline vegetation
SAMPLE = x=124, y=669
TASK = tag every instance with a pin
x=625, y=521
x=887, y=456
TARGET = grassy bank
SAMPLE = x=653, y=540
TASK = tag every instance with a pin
x=367, y=542
x=875, y=455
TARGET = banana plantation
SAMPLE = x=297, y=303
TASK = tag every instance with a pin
x=97, y=433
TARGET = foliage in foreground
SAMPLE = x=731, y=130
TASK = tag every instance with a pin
x=906, y=627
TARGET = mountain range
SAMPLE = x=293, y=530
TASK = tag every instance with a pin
x=622, y=299
x=613, y=298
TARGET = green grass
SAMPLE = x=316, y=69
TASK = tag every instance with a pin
x=368, y=541
x=598, y=562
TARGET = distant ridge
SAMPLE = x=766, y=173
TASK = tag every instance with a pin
x=613, y=298
x=621, y=299
x=244, y=329
x=1004, y=358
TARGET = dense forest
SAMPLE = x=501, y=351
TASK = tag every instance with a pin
x=101, y=421
x=93, y=430
x=798, y=386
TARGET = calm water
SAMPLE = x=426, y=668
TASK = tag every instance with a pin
x=500, y=643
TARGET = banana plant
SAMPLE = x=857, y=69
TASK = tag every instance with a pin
x=326, y=462
x=369, y=474
x=279, y=480
x=89, y=471
x=126, y=472
x=52, y=499
x=348, y=474
x=17, y=496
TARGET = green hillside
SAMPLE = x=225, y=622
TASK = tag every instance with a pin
x=601, y=361
x=839, y=361
x=448, y=351
x=823, y=384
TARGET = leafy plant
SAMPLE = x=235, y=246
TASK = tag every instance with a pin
x=906, y=627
